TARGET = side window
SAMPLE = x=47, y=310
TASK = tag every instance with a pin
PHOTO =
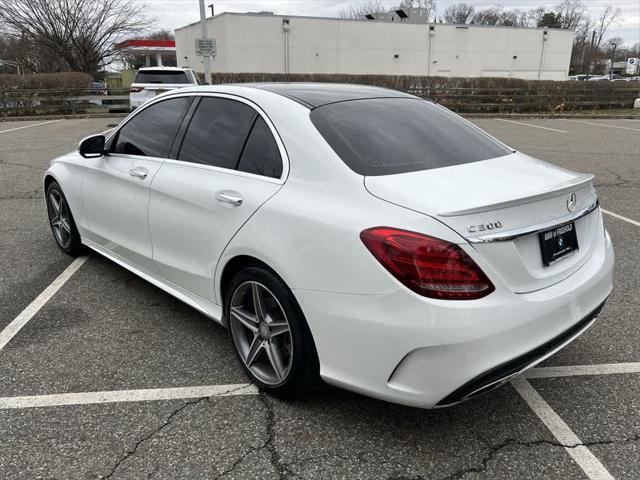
x=151, y=132
x=217, y=133
x=261, y=155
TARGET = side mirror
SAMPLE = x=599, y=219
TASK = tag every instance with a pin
x=92, y=147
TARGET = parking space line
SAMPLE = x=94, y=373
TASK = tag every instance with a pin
x=578, y=370
x=600, y=124
x=21, y=320
x=620, y=217
x=121, y=396
x=562, y=432
x=531, y=125
x=29, y=126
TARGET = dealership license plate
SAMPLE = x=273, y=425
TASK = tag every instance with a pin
x=558, y=242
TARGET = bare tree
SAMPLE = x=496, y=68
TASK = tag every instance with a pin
x=78, y=34
x=572, y=13
x=162, y=34
x=374, y=8
x=459, y=14
x=488, y=16
x=609, y=16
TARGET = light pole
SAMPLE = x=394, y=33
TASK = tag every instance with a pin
x=613, y=56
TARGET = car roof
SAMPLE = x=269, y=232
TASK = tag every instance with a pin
x=179, y=69
x=313, y=95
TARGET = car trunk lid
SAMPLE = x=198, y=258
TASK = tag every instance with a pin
x=500, y=206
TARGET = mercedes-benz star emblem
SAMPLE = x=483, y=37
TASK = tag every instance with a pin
x=572, y=201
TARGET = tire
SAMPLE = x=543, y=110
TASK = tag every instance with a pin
x=296, y=348
x=63, y=226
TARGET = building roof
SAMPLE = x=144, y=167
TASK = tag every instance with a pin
x=314, y=95
x=146, y=45
x=339, y=19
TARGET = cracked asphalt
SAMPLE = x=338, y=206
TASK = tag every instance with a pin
x=107, y=330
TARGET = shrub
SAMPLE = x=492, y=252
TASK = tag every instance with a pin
x=477, y=94
x=42, y=92
x=46, y=81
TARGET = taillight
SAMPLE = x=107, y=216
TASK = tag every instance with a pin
x=429, y=266
x=135, y=89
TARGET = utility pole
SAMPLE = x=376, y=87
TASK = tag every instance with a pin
x=204, y=34
x=593, y=39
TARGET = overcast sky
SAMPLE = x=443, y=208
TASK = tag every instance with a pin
x=177, y=13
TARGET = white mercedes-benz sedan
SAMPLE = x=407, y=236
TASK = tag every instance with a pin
x=353, y=234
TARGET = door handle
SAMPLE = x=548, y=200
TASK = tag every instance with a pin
x=229, y=197
x=138, y=172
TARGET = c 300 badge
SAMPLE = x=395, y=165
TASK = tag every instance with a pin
x=483, y=227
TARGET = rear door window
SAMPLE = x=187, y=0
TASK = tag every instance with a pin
x=385, y=136
x=161, y=76
x=151, y=132
x=217, y=132
x=261, y=155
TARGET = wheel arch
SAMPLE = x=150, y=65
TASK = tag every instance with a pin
x=46, y=181
x=233, y=266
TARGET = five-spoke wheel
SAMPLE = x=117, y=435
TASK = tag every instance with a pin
x=61, y=221
x=269, y=332
x=59, y=218
x=261, y=332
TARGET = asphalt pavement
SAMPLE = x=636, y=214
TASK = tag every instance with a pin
x=106, y=330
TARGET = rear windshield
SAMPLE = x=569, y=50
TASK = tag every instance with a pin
x=161, y=76
x=384, y=136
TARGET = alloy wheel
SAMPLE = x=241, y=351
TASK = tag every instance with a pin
x=261, y=332
x=59, y=218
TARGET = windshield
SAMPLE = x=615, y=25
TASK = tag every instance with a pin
x=384, y=136
x=161, y=76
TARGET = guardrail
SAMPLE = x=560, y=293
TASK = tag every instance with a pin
x=463, y=100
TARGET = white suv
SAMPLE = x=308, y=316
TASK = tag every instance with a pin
x=153, y=81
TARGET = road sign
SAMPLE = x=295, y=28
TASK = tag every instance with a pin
x=205, y=47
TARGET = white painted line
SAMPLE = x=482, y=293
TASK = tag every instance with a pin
x=620, y=217
x=561, y=431
x=578, y=370
x=600, y=124
x=531, y=125
x=21, y=320
x=29, y=126
x=119, y=396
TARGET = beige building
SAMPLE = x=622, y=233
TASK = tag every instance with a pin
x=263, y=42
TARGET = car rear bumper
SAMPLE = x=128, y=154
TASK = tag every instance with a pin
x=428, y=353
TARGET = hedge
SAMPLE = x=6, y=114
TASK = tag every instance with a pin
x=60, y=92
x=46, y=81
x=477, y=94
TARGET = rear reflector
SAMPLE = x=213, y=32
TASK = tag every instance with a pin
x=135, y=89
x=429, y=266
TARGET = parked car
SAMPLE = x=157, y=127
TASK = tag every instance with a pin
x=598, y=78
x=580, y=77
x=355, y=234
x=98, y=88
x=153, y=81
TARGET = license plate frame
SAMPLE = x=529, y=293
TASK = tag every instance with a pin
x=558, y=243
